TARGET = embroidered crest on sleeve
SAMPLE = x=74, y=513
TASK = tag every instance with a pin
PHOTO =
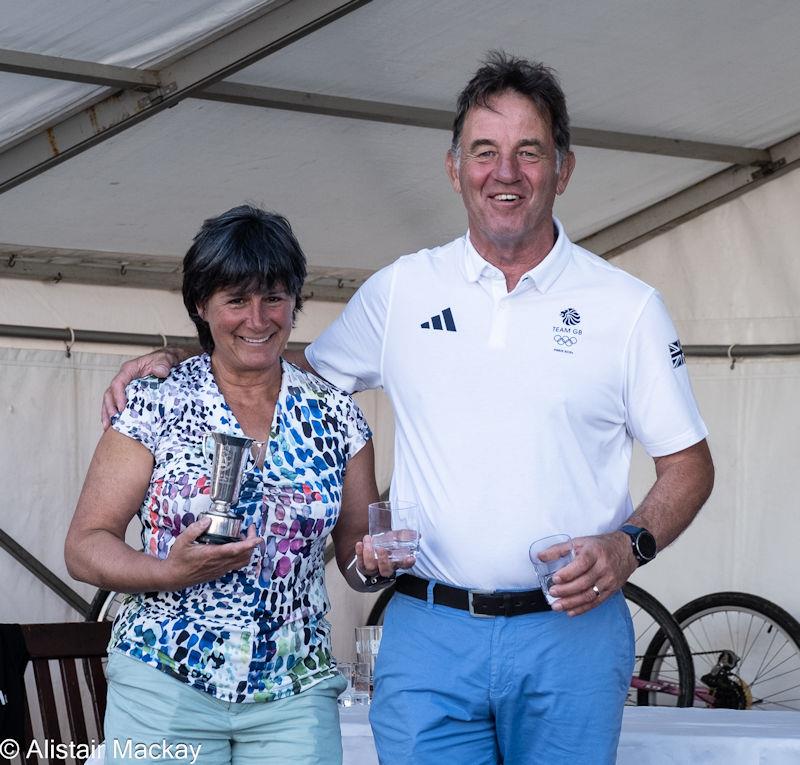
x=676, y=354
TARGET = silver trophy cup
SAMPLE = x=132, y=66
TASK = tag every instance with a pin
x=227, y=463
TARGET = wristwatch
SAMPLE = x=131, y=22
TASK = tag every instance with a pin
x=643, y=543
x=370, y=582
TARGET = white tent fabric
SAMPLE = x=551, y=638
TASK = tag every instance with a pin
x=121, y=33
x=648, y=68
x=745, y=537
x=731, y=275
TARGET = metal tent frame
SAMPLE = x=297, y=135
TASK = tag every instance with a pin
x=199, y=70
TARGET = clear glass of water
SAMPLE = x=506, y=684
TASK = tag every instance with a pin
x=353, y=695
x=546, y=569
x=394, y=526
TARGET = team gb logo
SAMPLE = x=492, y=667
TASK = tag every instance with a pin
x=570, y=317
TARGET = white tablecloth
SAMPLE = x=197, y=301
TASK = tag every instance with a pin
x=357, y=743
x=658, y=736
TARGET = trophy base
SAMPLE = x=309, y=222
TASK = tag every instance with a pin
x=224, y=528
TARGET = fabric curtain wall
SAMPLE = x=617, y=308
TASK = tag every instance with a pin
x=50, y=425
x=745, y=537
x=732, y=275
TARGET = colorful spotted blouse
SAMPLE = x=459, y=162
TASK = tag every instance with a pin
x=260, y=633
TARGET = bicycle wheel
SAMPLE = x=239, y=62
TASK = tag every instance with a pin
x=663, y=674
x=104, y=606
x=746, y=651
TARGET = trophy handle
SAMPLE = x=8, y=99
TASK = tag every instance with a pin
x=208, y=450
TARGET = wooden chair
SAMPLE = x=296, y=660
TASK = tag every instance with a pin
x=78, y=648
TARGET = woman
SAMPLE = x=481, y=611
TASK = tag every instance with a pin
x=242, y=622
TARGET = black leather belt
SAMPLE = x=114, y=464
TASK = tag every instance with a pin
x=477, y=602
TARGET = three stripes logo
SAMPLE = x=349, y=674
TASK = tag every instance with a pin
x=676, y=354
x=443, y=321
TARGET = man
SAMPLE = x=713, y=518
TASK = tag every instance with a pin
x=520, y=367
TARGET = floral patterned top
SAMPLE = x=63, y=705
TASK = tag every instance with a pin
x=260, y=633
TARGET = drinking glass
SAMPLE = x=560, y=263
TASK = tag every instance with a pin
x=368, y=643
x=546, y=569
x=394, y=526
x=351, y=696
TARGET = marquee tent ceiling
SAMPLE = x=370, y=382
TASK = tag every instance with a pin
x=336, y=114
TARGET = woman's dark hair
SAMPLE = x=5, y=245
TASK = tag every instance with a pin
x=501, y=72
x=247, y=248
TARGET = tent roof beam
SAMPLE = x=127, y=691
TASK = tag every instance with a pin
x=270, y=28
x=691, y=202
x=439, y=119
x=125, y=78
x=163, y=272
x=58, y=68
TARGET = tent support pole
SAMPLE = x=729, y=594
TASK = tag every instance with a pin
x=132, y=338
x=68, y=335
x=44, y=574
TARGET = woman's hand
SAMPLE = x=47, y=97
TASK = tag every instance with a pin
x=190, y=563
x=95, y=548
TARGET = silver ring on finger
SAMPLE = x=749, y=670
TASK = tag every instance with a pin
x=596, y=590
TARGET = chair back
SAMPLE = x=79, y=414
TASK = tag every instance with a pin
x=78, y=650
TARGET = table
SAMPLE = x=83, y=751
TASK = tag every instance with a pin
x=657, y=736
x=357, y=743
x=662, y=736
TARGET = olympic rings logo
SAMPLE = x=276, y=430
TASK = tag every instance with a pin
x=565, y=340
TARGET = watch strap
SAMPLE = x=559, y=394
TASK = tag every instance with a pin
x=635, y=533
x=370, y=582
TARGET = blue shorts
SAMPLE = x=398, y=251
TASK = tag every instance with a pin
x=154, y=718
x=541, y=688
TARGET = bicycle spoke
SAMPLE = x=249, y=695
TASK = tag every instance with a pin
x=767, y=667
x=765, y=678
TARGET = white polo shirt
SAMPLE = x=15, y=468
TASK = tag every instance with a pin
x=515, y=411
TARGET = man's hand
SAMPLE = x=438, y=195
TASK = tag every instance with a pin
x=158, y=363
x=189, y=563
x=683, y=483
x=605, y=561
x=371, y=559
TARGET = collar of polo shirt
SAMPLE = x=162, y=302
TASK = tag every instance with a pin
x=542, y=276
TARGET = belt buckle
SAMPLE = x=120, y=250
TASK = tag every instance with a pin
x=470, y=594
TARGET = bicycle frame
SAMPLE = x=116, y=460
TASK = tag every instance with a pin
x=671, y=689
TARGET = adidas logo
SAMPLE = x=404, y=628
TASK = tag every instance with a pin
x=435, y=322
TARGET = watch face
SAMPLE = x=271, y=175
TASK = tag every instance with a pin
x=646, y=544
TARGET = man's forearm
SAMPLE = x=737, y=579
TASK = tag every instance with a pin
x=683, y=484
x=298, y=358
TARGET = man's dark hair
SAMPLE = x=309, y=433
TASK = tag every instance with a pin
x=501, y=72
x=246, y=248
